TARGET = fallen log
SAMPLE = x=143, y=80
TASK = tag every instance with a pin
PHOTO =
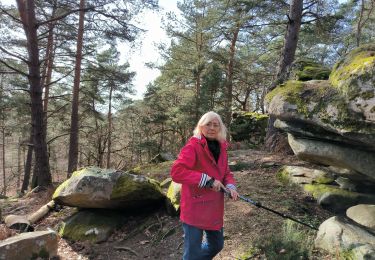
x=41, y=212
x=23, y=223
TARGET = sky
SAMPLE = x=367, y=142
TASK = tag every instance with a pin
x=147, y=52
x=150, y=21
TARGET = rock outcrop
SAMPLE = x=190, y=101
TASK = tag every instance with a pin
x=332, y=123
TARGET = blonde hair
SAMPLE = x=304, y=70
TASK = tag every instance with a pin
x=209, y=116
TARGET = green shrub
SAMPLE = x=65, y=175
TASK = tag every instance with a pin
x=249, y=127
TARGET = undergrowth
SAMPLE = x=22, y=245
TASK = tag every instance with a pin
x=293, y=242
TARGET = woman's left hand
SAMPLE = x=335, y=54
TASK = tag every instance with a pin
x=233, y=194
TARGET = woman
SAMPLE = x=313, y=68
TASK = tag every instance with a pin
x=202, y=169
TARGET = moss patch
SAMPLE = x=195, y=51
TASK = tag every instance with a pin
x=306, y=69
x=317, y=190
x=283, y=176
x=357, y=64
x=324, y=180
x=134, y=187
x=173, y=195
x=289, y=89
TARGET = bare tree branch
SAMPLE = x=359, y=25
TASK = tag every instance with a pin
x=65, y=15
x=14, y=55
x=54, y=138
x=10, y=15
x=13, y=68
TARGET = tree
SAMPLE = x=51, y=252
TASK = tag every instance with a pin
x=27, y=14
x=273, y=136
x=107, y=82
x=364, y=16
x=73, y=142
x=111, y=20
x=290, y=42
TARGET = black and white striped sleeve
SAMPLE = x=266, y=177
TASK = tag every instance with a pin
x=203, y=180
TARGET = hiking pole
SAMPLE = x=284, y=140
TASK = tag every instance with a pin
x=259, y=205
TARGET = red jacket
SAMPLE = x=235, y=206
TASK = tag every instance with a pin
x=201, y=207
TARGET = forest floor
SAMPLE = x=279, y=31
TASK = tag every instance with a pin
x=159, y=236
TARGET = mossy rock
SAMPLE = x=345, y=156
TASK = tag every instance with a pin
x=128, y=189
x=354, y=77
x=358, y=65
x=91, y=225
x=335, y=199
x=305, y=70
x=93, y=187
x=343, y=105
x=290, y=90
x=318, y=103
x=249, y=127
x=317, y=190
x=303, y=175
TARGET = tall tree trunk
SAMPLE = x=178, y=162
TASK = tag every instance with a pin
x=27, y=13
x=47, y=74
x=2, y=116
x=290, y=42
x=19, y=167
x=3, y=156
x=198, y=72
x=73, y=143
x=29, y=159
x=109, y=128
x=229, y=79
x=161, y=142
x=276, y=141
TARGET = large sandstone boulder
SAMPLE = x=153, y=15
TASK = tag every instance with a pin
x=316, y=109
x=343, y=238
x=31, y=245
x=93, y=187
x=354, y=77
x=363, y=214
x=332, y=122
x=91, y=225
x=335, y=154
x=343, y=107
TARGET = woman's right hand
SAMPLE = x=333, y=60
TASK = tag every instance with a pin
x=217, y=186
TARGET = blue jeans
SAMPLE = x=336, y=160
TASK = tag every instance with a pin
x=197, y=249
